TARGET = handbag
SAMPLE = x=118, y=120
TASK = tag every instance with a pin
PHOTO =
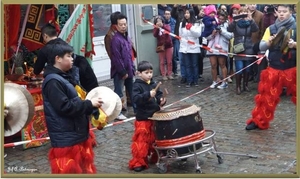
x=240, y=47
x=160, y=48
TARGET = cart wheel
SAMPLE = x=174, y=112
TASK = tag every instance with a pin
x=220, y=159
x=162, y=168
x=198, y=171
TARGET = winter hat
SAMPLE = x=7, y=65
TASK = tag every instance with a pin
x=209, y=9
x=236, y=6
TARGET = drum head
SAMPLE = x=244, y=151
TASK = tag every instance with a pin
x=175, y=112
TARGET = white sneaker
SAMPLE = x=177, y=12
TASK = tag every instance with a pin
x=229, y=80
x=213, y=85
x=121, y=117
x=223, y=85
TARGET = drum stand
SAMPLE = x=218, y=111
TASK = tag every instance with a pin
x=208, y=145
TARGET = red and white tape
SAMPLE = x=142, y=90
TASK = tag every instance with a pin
x=201, y=46
x=260, y=57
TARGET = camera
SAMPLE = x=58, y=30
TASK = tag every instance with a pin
x=271, y=9
x=218, y=28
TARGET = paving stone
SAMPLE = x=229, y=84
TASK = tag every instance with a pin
x=222, y=111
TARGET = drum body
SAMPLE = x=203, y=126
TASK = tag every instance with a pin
x=177, y=126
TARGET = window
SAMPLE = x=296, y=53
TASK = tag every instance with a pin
x=101, y=14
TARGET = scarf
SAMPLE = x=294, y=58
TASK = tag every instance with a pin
x=243, y=23
x=287, y=23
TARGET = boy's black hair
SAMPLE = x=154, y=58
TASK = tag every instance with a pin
x=113, y=18
x=144, y=65
x=58, y=49
x=49, y=30
x=286, y=5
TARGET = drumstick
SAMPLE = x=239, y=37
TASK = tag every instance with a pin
x=156, y=88
x=165, y=93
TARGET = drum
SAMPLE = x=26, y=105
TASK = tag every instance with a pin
x=177, y=126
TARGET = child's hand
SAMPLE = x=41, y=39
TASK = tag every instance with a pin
x=214, y=22
x=152, y=93
x=162, y=101
x=96, y=102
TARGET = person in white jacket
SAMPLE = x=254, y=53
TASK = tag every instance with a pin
x=216, y=57
x=190, y=29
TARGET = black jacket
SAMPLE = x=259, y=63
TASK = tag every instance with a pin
x=43, y=54
x=65, y=113
x=145, y=105
x=87, y=77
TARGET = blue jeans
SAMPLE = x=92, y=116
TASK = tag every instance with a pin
x=182, y=65
x=175, y=55
x=119, y=84
x=240, y=64
x=191, y=65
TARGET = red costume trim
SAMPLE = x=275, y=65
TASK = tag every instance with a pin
x=141, y=146
x=75, y=159
x=182, y=140
x=270, y=88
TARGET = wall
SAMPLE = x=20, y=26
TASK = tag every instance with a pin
x=145, y=41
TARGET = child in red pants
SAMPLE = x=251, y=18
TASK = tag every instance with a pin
x=148, y=101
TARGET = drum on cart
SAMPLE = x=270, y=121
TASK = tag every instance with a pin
x=178, y=125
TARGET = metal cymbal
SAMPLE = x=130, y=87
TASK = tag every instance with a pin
x=279, y=36
x=112, y=104
x=20, y=107
x=286, y=38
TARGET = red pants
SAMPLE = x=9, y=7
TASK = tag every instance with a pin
x=166, y=55
x=75, y=159
x=270, y=88
x=141, y=146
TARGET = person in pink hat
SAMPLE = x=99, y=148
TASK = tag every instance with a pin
x=210, y=24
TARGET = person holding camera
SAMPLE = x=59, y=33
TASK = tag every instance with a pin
x=164, y=47
x=242, y=27
x=216, y=57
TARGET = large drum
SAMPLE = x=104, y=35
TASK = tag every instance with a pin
x=177, y=126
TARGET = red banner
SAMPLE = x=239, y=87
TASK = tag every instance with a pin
x=12, y=17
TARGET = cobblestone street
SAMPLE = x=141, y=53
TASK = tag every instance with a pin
x=221, y=110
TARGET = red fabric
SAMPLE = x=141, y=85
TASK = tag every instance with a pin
x=76, y=159
x=188, y=26
x=270, y=88
x=141, y=146
x=93, y=136
x=51, y=15
x=12, y=17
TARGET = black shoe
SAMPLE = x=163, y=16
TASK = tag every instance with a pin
x=124, y=109
x=251, y=126
x=183, y=80
x=139, y=169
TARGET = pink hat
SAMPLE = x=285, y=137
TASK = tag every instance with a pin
x=209, y=9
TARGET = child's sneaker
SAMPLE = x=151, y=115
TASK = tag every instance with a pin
x=165, y=78
x=223, y=85
x=213, y=85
